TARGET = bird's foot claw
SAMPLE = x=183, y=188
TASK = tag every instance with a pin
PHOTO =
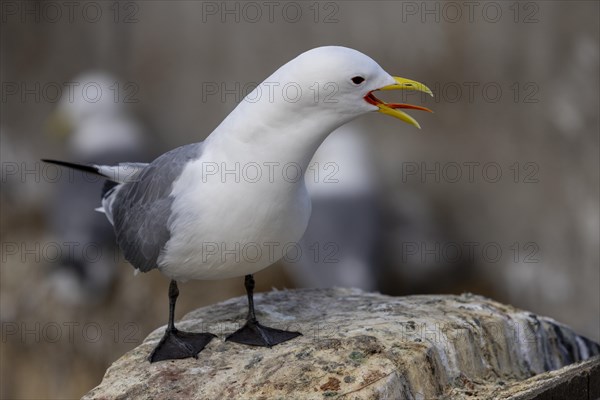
x=177, y=344
x=255, y=334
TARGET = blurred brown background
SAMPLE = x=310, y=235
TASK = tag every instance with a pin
x=498, y=194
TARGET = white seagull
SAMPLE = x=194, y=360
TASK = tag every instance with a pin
x=231, y=205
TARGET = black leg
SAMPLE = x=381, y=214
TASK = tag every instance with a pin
x=249, y=285
x=173, y=295
x=255, y=334
x=176, y=344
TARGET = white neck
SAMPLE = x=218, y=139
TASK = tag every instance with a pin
x=267, y=126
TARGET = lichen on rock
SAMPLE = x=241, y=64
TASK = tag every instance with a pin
x=355, y=345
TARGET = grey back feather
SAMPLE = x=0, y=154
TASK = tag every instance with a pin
x=141, y=208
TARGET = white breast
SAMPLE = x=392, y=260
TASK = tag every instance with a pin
x=224, y=227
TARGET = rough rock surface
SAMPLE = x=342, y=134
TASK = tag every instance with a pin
x=356, y=345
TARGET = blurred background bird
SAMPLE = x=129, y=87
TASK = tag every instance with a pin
x=95, y=128
x=341, y=244
x=516, y=92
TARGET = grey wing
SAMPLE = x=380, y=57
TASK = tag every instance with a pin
x=141, y=209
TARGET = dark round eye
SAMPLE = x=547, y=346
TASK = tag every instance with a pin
x=357, y=80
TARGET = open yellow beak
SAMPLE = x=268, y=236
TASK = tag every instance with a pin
x=393, y=108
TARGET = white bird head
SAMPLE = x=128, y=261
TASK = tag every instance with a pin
x=341, y=80
x=291, y=112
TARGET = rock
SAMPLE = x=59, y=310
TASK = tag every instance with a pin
x=579, y=381
x=357, y=345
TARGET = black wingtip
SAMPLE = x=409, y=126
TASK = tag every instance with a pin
x=82, y=167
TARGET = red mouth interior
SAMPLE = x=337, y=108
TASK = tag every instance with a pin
x=371, y=99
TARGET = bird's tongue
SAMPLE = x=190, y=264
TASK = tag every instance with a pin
x=370, y=98
x=409, y=106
